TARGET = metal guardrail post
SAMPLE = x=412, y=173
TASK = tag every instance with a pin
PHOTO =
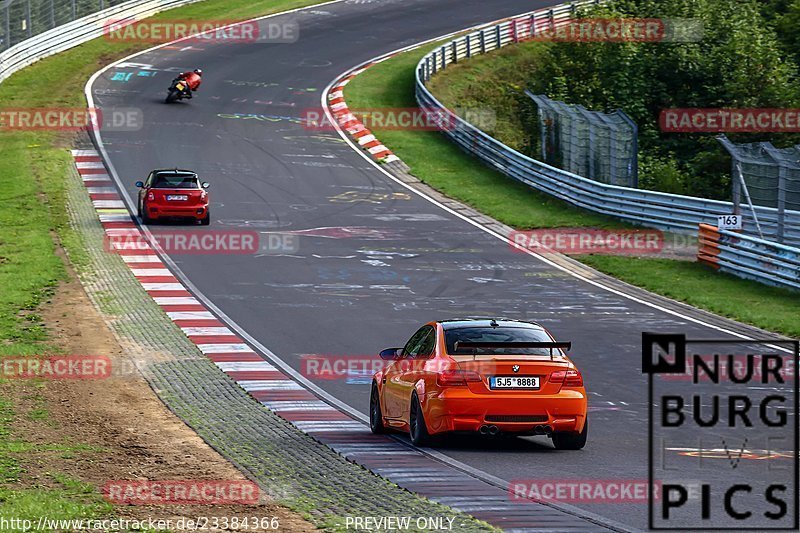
x=781, y=201
x=7, y=42
x=633, y=174
x=743, y=184
x=469, y=46
x=614, y=158
x=483, y=42
x=736, y=190
x=455, y=51
x=28, y=24
x=499, y=36
x=591, y=156
x=543, y=134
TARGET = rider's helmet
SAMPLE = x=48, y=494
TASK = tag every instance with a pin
x=198, y=71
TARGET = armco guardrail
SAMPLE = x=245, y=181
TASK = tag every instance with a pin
x=748, y=257
x=77, y=32
x=670, y=212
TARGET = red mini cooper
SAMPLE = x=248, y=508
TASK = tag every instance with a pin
x=173, y=193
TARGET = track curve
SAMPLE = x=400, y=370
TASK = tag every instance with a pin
x=376, y=260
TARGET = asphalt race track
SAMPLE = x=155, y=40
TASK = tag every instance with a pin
x=375, y=261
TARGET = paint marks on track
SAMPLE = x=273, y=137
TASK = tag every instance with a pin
x=290, y=399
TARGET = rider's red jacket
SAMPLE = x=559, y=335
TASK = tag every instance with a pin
x=192, y=79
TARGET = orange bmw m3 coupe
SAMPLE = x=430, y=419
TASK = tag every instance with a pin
x=483, y=376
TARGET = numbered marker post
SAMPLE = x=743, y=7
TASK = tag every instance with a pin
x=729, y=222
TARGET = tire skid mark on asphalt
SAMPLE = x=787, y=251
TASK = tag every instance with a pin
x=289, y=399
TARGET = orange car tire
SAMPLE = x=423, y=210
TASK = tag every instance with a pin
x=375, y=414
x=416, y=423
x=571, y=441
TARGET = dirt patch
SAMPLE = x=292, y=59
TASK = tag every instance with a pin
x=121, y=429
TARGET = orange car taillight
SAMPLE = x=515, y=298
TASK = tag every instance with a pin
x=456, y=378
x=570, y=378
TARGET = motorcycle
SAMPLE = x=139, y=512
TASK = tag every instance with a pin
x=178, y=90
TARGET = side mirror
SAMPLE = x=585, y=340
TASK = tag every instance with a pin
x=390, y=354
x=140, y=184
x=206, y=185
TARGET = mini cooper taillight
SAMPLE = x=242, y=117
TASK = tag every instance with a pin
x=569, y=378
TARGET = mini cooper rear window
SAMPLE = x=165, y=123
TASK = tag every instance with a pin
x=176, y=181
x=498, y=334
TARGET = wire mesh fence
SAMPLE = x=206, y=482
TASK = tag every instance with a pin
x=22, y=19
x=599, y=146
x=766, y=176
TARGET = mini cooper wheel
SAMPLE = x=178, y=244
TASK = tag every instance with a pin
x=145, y=218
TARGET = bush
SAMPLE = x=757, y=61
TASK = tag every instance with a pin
x=740, y=62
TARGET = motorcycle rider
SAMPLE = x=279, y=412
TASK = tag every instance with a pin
x=193, y=79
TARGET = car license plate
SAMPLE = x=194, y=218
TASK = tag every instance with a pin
x=177, y=197
x=514, y=382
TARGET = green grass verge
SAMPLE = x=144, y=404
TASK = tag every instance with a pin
x=33, y=216
x=439, y=163
x=747, y=301
x=442, y=165
x=64, y=498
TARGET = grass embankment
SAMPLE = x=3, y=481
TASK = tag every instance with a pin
x=33, y=218
x=440, y=164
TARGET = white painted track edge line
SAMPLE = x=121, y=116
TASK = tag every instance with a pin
x=97, y=137
x=269, y=354
x=277, y=361
x=539, y=257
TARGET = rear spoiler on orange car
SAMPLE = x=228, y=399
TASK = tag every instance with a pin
x=496, y=345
